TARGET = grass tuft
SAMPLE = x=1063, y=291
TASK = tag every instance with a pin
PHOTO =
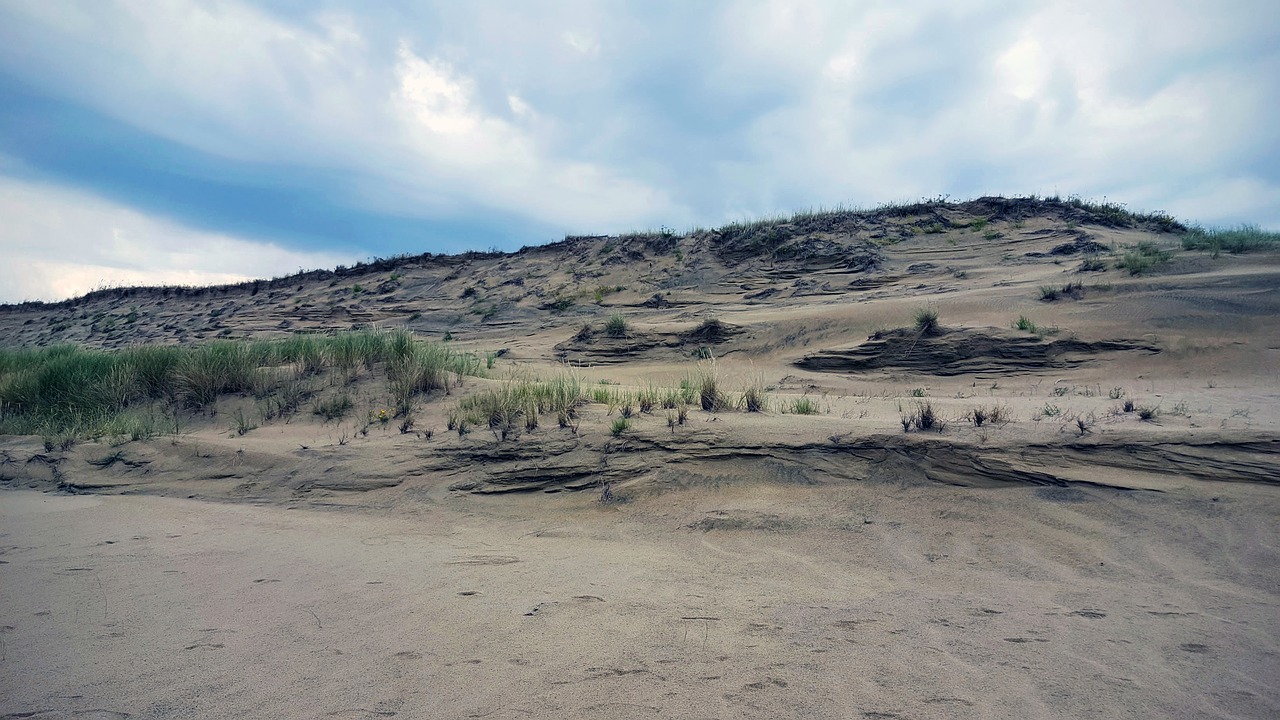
x=616, y=326
x=1144, y=257
x=926, y=321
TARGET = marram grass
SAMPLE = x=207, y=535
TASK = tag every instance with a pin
x=72, y=392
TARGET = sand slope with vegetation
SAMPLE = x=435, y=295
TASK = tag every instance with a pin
x=1010, y=457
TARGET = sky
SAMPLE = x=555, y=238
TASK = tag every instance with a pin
x=204, y=141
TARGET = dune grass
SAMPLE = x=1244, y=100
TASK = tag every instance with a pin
x=1144, y=257
x=69, y=391
x=926, y=321
x=1236, y=241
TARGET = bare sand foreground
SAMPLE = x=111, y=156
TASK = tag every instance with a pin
x=725, y=599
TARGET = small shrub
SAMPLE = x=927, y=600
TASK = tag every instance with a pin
x=1148, y=414
x=1085, y=424
x=978, y=416
x=1116, y=393
x=926, y=321
x=616, y=326
x=923, y=417
x=1025, y=324
x=1129, y=406
x=918, y=392
x=1050, y=410
x=999, y=414
x=1048, y=293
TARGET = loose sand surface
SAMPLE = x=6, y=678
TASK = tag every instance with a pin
x=724, y=600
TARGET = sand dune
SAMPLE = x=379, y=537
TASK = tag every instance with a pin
x=1067, y=557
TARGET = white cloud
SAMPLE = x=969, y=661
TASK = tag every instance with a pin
x=485, y=156
x=587, y=119
x=59, y=243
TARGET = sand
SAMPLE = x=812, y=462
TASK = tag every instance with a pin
x=1073, y=561
x=728, y=599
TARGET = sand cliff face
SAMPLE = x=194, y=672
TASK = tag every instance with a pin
x=1052, y=504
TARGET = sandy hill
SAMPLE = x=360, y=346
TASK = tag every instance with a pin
x=1005, y=457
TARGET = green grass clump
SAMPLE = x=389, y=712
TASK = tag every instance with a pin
x=1237, y=241
x=616, y=326
x=516, y=401
x=71, y=391
x=1143, y=258
x=804, y=406
x=619, y=426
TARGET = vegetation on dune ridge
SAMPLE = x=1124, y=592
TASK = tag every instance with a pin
x=766, y=234
x=70, y=392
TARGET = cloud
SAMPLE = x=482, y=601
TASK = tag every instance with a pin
x=60, y=243
x=442, y=125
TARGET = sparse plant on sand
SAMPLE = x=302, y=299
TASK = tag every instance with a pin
x=616, y=326
x=619, y=426
x=926, y=321
x=1144, y=257
x=705, y=383
x=922, y=417
x=804, y=405
x=1084, y=423
x=1092, y=263
x=242, y=425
